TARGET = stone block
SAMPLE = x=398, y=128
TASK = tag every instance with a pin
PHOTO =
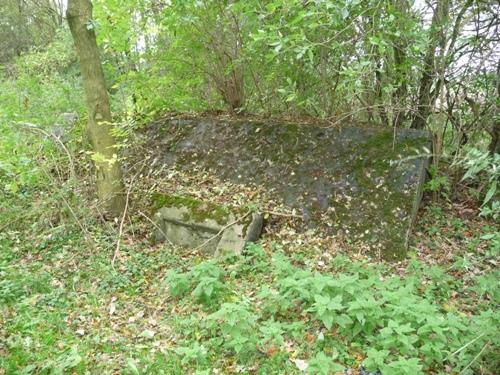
x=195, y=224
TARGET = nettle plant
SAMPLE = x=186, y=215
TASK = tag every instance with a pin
x=236, y=322
x=485, y=168
x=204, y=281
x=400, y=325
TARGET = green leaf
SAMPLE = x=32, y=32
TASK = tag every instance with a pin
x=327, y=320
x=491, y=192
x=147, y=333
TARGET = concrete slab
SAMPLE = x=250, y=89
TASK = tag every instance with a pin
x=364, y=184
x=218, y=230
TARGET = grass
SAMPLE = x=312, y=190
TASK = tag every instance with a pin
x=65, y=309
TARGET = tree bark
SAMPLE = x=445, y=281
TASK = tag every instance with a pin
x=426, y=98
x=108, y=171
x=494, y=146
x=400, y=46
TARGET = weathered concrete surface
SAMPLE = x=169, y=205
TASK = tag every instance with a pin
x=215, y=229
x=363, y=184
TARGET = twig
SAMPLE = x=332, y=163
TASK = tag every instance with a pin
x=466, y=345
x=474, y=359
x=156, y=226
x=56, y=139
x=61, y=195
x=284, y=214
x=120, y=231
x=124, y=215
x=84, y=230
x=348, y=114
x=222, y=230
x=15, y=220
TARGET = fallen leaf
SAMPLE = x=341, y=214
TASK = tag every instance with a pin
x=272, y=350
x=147, y=333
x=301, y=364
x=309, y=337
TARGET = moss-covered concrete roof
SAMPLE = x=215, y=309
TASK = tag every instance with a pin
x=358, y=182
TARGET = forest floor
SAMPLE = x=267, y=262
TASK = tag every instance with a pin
x=77, y=295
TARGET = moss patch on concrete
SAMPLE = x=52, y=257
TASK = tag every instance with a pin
x=198, y=210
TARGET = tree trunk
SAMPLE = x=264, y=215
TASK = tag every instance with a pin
x=495, y=130
x=400, y=46
x=108, y=171
x=426, y=98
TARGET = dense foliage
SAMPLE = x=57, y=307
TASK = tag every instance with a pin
x=66, y=308
x=388, y=63
x=165, y=313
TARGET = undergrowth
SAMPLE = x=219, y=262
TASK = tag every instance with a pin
x=66, y=309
